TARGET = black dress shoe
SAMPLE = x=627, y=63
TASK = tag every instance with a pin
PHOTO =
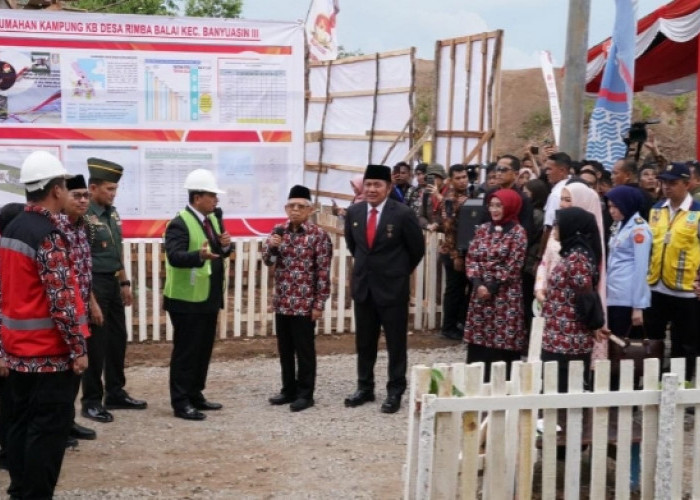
x=189, y=412
x=97, y=413
x=126, y=402
x=281, y=399
x=71, y=442
x=80, y=432
x=391, y=404
x=301, y=404
x=205, y=405
x=359, y=398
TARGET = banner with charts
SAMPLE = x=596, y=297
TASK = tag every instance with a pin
x=162, y=97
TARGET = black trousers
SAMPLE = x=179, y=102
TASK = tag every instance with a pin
x=106, y=345
x=193, y=341
x=563, y=367
x=369, y=319
x=685, y=328
x=42, y=415
x=5, y=409
x=295, y=339
x=454, y=300
x=488, y=355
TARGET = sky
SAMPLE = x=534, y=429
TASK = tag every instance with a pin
x=381, y=25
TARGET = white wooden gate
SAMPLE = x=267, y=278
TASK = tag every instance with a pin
x=450, y=455
x=248, y=295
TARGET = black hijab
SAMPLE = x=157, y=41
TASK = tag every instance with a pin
x=578, y=230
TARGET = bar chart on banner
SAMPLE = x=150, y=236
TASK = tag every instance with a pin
x=178, y=90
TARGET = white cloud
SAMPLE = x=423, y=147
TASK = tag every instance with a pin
x=514, y=58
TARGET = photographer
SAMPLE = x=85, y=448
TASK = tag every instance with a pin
x=454, y=301
x=430, y=215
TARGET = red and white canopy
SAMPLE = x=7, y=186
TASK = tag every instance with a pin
x=666, y=53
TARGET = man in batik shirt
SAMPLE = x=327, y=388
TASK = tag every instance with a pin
x=301, y=253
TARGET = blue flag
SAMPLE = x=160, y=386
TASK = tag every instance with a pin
x=612, y=114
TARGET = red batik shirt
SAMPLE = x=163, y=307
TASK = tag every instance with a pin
x=80, y=254
x=563, y=334
x=302, y=269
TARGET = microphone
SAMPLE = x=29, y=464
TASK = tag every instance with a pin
x=219, y=214
x=279, y=231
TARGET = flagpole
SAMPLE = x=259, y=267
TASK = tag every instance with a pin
x=574, y=78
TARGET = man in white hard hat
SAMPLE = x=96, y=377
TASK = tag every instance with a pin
x=43, y=330
x=196, y=245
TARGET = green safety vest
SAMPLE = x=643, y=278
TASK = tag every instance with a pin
x=190, y=284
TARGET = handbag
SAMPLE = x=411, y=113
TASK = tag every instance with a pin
x=635, y=349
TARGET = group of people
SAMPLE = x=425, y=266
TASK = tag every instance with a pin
x=63, y=293
x=596, y=259
x=595, y=252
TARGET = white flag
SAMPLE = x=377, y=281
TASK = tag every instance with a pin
x=320, y=30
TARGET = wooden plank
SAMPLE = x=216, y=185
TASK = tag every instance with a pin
x=364, y=93
x=494, y=91
x=451, y=101
x=526, y=432
x=549, y=434
x=399, y=138
x=419, y=295
x=624, y=434
x=447, y=436
x=469, y=473
x=420, y=385
x=574, y=418
x=487, y=135
x=599, y=446
x=483, y=99
x=155, y=290
x=313, y=165
x=650, y=424
x=252, y=272
x=436, y=98
x=142, y=291
x=496, y=441
x=535, y=344
x=264, y=299
x=374, y=111
x=328, y=308
x=343, y=280
x=363, y=57
x=426, y=445
x=128, y=311
x=431, y=270
x=512, y=423
x=238, y=288
x=467, y=39
x=459, y=134
x=467, y=87
x=362, y=137
x=321, y=140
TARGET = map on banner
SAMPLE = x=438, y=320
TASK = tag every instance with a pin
x=161, y=97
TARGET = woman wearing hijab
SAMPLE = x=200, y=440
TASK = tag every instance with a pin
x=576, y=194
x=494, y=330
x=572, y=310
x=357, y=185
x=628, y=262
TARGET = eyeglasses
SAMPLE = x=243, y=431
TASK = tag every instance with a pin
x=502, y=170
x=296, y=206
x=79, y=196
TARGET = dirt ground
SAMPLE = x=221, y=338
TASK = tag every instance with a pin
x=158, y=354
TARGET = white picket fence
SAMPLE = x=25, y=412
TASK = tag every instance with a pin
x=485, y=444
x=249, y=291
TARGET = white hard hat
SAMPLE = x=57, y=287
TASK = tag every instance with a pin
x=39, y=168
x=202, y=180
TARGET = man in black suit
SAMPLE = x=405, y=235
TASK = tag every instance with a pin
x=195, y=247
x=387, y=243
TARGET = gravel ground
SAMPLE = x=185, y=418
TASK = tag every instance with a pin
x=250, y=449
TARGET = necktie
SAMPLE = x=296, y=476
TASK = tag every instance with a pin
x=371, y=227
x=209, y=231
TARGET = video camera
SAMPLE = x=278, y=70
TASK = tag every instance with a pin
x=637, y=135
x=472, y=173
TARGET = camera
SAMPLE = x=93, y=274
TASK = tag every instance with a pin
x=472, y=173
x=637, y=135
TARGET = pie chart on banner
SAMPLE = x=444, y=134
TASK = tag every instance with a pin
x=14, y=67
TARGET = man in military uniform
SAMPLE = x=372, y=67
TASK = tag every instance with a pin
x=112, y=288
